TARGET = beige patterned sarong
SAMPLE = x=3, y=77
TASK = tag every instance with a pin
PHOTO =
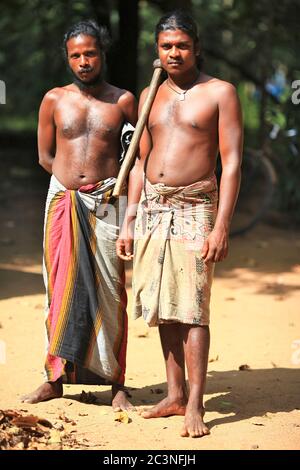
x=171, y=283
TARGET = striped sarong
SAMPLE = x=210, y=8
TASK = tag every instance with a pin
x=86, y=317
x=171, y=283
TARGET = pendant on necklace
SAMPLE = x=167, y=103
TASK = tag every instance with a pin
x=182, y=97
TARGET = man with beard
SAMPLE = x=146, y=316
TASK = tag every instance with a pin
x=79, y=132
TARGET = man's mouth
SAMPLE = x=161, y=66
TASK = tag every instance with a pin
x=85, y=71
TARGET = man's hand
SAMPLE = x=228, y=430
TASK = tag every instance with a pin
x=215, y=247
x=124, y=244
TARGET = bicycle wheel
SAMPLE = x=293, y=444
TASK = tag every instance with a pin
x=256, y=193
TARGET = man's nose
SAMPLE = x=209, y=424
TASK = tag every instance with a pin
x=174, y=52
x=83, y=61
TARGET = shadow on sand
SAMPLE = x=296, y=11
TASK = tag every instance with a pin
x=267, y=391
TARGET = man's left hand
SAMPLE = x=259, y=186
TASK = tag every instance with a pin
x=215, y=247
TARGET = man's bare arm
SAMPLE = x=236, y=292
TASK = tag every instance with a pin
x=47, y=130
x=230, y=144
x=129, y=107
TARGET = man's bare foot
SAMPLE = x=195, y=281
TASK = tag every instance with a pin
x=47, y=391
x=166, y=407
x=119, y=399
x=193, y=424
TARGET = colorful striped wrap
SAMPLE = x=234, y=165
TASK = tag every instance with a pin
x=86, y=317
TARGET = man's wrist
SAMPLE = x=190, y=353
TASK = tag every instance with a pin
x=222, y=226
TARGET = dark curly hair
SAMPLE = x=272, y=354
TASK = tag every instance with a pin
x=180, y=19
x=89, y=28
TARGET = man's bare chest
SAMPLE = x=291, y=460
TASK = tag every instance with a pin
x=73, y=120
x=188, y=113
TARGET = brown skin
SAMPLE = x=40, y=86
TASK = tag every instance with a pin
x=78, y=142
x=181, y=141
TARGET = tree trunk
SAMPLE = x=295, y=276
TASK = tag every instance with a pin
x=123, y=60
x=101, y=12
x=169, y=5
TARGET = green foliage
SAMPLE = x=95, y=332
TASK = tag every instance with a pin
x=148, y=19
x=244, y=42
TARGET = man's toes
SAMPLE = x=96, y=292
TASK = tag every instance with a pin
x=184, y=432
x=27, y=399
x=130, y=407
x=126, y=408
x=117, y=408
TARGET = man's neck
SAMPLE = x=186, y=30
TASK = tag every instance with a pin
x=93, y=91
x=185, y=80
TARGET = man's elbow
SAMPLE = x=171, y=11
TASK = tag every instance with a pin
x=42, y=160
x=45, y=161
x=232, y=169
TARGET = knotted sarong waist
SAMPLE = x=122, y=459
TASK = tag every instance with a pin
x=170, y=280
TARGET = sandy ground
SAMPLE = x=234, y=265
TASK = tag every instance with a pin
x=255, y=321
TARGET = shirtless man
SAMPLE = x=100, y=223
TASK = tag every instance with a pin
x=179, y=230
x=79, y=144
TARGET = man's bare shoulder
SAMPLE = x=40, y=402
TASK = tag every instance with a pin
x=126, y=102
x=220, y=88
x=56, y=93
x=118, y=95
x=125, y=97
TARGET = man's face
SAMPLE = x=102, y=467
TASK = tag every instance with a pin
x=85, y=60
x=176, y=50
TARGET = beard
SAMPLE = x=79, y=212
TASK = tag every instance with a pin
x=86, y=85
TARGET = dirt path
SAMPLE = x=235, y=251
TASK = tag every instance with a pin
x=255, y=321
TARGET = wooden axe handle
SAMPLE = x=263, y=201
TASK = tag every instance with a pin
x=134, y=144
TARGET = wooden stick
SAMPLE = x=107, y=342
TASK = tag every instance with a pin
x=134, y=144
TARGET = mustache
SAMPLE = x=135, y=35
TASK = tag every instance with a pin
x=86, y=69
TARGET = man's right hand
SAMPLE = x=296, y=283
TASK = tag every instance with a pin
x=124, y=247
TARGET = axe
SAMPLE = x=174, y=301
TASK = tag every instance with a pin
x=133, y=147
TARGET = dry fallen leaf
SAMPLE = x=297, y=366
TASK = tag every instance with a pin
x=245, y=367
x=64, y=418
x=54, y=437
x=122, y=417
x=143, y=335
x=20, y=432
x=214, y=359
x=29, y=421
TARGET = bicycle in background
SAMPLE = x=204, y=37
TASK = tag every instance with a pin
x=259, y=180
